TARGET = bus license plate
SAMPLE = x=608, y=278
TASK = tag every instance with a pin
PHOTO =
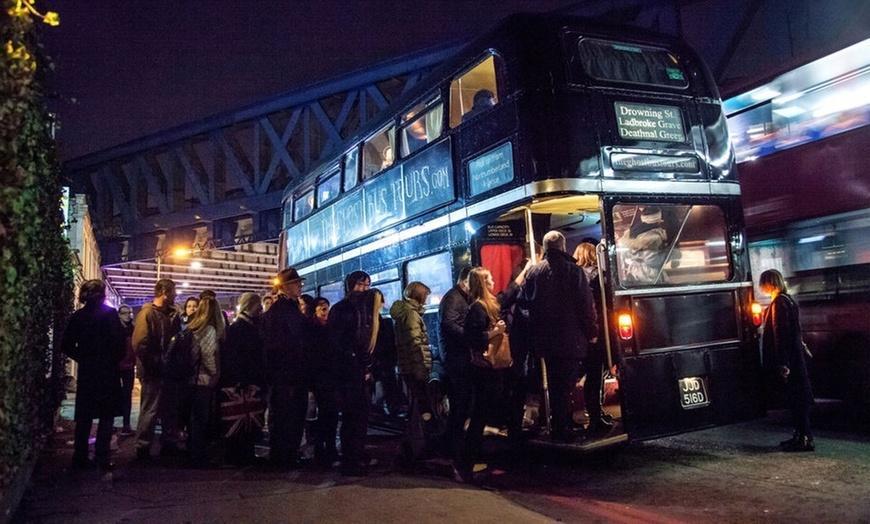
x=693, y=392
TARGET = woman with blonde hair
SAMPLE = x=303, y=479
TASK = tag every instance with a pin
x=208, y=327
x=599, y=422
x=482, y=323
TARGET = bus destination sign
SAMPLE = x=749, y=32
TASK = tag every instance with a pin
x=649, y=122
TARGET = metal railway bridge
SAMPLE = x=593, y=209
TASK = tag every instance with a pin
x=201, y=203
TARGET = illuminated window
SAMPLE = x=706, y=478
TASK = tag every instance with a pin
x=332, y=292
x=329, y=188
x=473, y=93
x=303, y=205
x=421, y=125
x=379, y=152
x=351, y=169
x=666, y=245
x=435, y=272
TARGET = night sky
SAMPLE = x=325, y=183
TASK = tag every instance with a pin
x=128, y=68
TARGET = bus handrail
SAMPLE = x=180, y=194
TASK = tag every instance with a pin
x=696, y=288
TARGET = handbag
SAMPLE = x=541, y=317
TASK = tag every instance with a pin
x=498, y=354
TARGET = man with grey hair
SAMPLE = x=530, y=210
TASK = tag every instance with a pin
x=562, y=322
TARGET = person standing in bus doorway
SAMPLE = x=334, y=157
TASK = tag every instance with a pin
x=286, y=336
x=562, y=322
x=415, y=363
x=155, y=326
x=647, y=248
x=781, y=339
x=128, y=369
x=353, y=327
x=95, y=340
x=587, y=259
x=452, y=311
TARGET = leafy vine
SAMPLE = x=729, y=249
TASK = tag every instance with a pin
x=35, y=265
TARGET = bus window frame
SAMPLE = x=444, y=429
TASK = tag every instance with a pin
x=355, y=150
x=410, y=117
x=301, y=196
x=500, y=87
x=406, y=278
x=331, y=173
x=384, y=130
x=575, y=40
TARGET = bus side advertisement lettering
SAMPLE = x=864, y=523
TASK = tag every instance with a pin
x=420, y=184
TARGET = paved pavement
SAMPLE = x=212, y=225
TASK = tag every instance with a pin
x=164, y=490
x=729, y=474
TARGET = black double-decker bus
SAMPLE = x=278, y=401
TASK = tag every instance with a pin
x=546, y=123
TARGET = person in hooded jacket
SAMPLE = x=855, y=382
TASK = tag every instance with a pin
x=415, y=363
x=242, y=368
x=128, y=369
x=94, y=338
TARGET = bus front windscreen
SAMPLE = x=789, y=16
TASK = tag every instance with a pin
x=670, y=245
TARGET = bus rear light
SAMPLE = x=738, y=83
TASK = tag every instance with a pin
x=626, y=329
x=756, y=310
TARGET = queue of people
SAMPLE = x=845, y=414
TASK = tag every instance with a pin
x=298, y=355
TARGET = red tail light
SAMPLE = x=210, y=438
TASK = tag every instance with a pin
x=626, y=329
x=756, y=310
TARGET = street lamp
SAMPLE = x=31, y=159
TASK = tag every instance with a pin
x=179, y=252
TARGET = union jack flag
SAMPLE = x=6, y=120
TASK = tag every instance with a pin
x=243, y=409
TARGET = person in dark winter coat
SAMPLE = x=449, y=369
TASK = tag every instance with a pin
x=286, y=338
x=562, y=322
x=785, y=357
x=128, y=369
x=482, y=323
x=452, y=311
x=243, y=370
x=353, y=326
x=94, y=338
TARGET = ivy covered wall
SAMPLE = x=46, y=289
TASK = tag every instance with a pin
x=35, y=269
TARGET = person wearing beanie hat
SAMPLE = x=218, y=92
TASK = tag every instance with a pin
x=243, y=376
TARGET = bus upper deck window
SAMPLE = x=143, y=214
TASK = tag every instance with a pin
x=419, y=129
x=474, y=92
x=632, y=64
x=351, y=169
x=379, y=152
